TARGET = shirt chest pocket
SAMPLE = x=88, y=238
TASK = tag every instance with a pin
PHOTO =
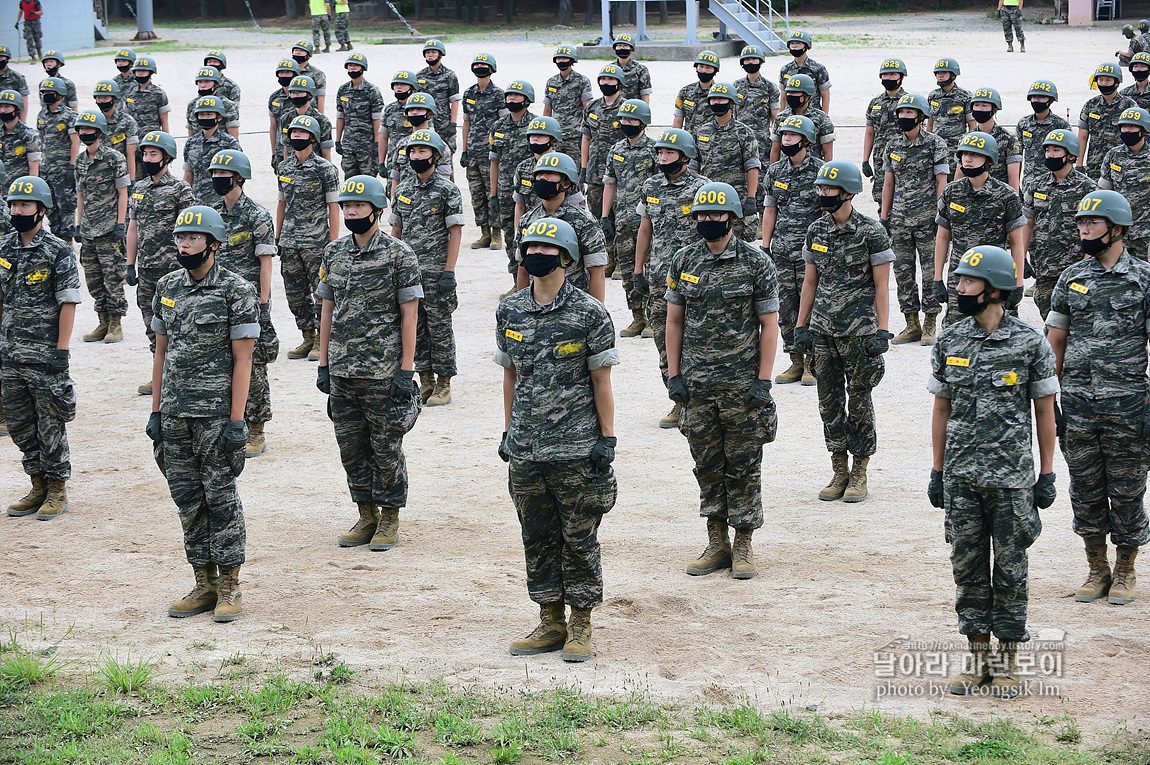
x=737, y=291
x=211, y=319
x=690, y=286
x=1008, y=379
x=1126, y=309
x=37, y=277
x=1080, y=298
x=855, y=255
x=376, y=279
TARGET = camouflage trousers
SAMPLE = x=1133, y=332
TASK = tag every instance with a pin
x=657, y=318
x=299, y=267
x=624, y=245
x=879, y=180
x=914, y=246
x=560, y=506
x=594, y=196
x=1044, y=291
x=61, y=178
x=359, y=157
x=341, y=35
x=1105, y=450
x=145, y=292
x=369, y=429
x=103, y=260
x=32, y=35
x=726, y=438
x=204, y=490
x=35, y=405
x=846, y=375
x=434, y=335
x=791, y=271
x=259, y=404
x=507, y=224
x=318, y=23
x=1011, y=16
x=990, y=598
x=478, y=173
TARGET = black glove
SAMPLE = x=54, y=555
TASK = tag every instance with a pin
x=153, y=430
x=760, y=395
x=868, y=171
x=940, y=292
x=130, y=275
x=120, y=231
x=339, y=147
x=59, y=361
x=463, y=157
x=446, y=281
x=452, y=129
x=804, y=343
x=504, y=452
x=750, y=207
x=382, y=169
x=934, y=490
x=998, y=13
x=582, y=176
x=323, y=380
x=879, y=343
x=1013, y=298
x=608, y=228
x=266, y=312
x=402, y=385
x=1044, y=491
x=235, y=438
x=604, y=452
x=885, y=224
x=1027, y=270
x=493, y=207
x=677, y=390
x=642, y=286
x=16, y=26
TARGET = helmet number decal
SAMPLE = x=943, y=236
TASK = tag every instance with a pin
x=352, y=187
x=707, y=56
x=829, y=172
x=1040, y=85
x=1057, y=135
x=719, y=88
x=669, y=137
x=711, y=197
x=550, y=160
x=189, y=218
x=21, y=187
x=1089, y=204
x=543, y=228
x=628, y=108
x=975, y=141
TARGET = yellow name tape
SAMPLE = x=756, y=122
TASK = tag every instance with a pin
x=956, y=361
x=168, y=302
x=684, y=276
x=513, y=334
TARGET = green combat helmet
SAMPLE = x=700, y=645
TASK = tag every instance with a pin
x=914, y=101
x=893, y=66
x=233, y=161
x=218, y=55
x=565, y=51
x=994, y=266
x=799, y=83
x=145, y=64
x=158, y=139
x=210, y=74
x=708, y=58
x=842, y=174
x=436, y=45
x=718, y=197
x=979, y=143
x=363, y=188
x=555, y=232
x=947, y=65
x=420, y=101
x=678, y=139
x=356, y=58
x=1135, y=115
x=427, y=138
x=485, y=59
x=302, y=84
x=29, y=188
x=800, y=36
x=522, y=88
x=1048, y=88
x=1064, y=138
x=548, y=126
x=308, y=123
x=201, y=220
x=1105, y=70
x=106, y=88
x=987, y=96
x=557, y=162
x=751, y=51
x=801, y=125
x=637, y=109
x=83, y=119
x=1106, y=204
x=205, y=104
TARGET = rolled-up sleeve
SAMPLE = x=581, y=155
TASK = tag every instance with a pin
x=245, y=331
x=324, y=291
x=1045, y=387
x=607, y=358
x=68, y=296
x=158, y=325
x=1061, y=321
x=407, y=294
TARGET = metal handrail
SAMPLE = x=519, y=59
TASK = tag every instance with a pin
x=755, y=7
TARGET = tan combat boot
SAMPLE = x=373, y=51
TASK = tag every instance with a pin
x=115, y=332
x=1097, y=583
x=978, y=669
x=327, y=48
x=257, y=444
x=426, y=385
x=912, y=333
x=228, y=598
x=203, y=595
x=1005, y=682
x=387, y=534
x=56, y=503
x=929, y=329
x=549, y=635
x=32, y=500
x=742, y=558
x=98, y=334
x=496, y=238
x=484, y=240
x=672, y=418
x=442, y=393
x=578, y=645
x=364, y=529
x=1022, y=46
x=808, y=371
x=637, y=325
x=1009, y=47
x=512, y=291
x=717, y=553
x=145, y=389
x=303, y=349
x=856, y=489
x=1122, y=590
x=794, y=372
x=838, y=485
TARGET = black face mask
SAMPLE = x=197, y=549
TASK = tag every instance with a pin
x=712, y=230
x=25, y=223
x=8, y=116
x=1054, y=164
x=1107, y=89
x=546, y=189
x=51, y=70
x=207, y=123
x=355, y=75
x=791, y=149
x=1039, y=107
x=515, y=106
x=299, y=144
x=538, y=263
x=830, y=204
x=222, y=184
x=563, y=65
x=609, y=89
x=207, y=91
x=969, y=305
x=124, y=68
x=89, y=138
x=1140, y=74
x=539, y=148
x=299, y=101
x=631, y=130
x=752, y=68
x=416, y=119
x=974, y=172
x=890, y=85
x=50, y=98
x=946, y=80
x=106, y=106
x=301, y=60
x=982, y=116
x=361, y=225
x=481, y=72
x=794, y=103
x=705, y=77
x=1130, y=139
x=796, y=53
x=401, y=96
x=3, y=64
x=1094, y=247
x=670, y=168
x=143, y=80
x=907, y=124
x=720, y=109
x=420, y=166
x=193, y=260
x=285, y=79
x=433, y=60
x=622, y=53
x=151, y=168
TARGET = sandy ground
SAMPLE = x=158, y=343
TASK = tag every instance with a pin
x=836, y=582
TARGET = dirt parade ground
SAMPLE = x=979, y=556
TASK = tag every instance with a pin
x=842, y=589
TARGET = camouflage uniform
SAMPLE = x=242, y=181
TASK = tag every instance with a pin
x=1051, y=204
x=146, y=105
x=758, y=100
x=155, y=205
x=950, y=113
x=1100, y=120
x=367, y=286
x=306, y=188
x=325, y=136
x=198, y=153
x=975, y=218
x=35, y=280
x=628, y=168
x=723, y=298
x=1106, y=313
x=124, y=80
x=279, y=104
x=341, y=35
x=56, y=167
x=508, y=146
x=231, y=113
x=667, y=204
x=481, y=109
x=880, y=115
x=725, y=154
x=70, y=99
x=1142, y=98
x=1030, y=134
x=693, y=106
x=636, y=80
x=1009, y=152
x=988, y=468
x=824, y=129
x=123, y=133
x=320, y=22
x=18, y=147
x=791, y=191
x=229, y=89
x=1129, y=174
x=443, y=86
x=10, y=79
x=601, y=124
x=559, y=495
x=318, y=77
x=592, y=243
x=566, y=96
x=400, y=168
x=816, y=72
x=426, y=211
x=101, y=254
x=201, y=319
x=394, y=126
x=359, y=107
x=252, y=236
x=1011, y=16
x=912, y=227
x=842, y=322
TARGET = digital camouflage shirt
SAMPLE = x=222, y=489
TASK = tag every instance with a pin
x=426, y=211
x=1128, y=173
x=914, y=165
x=724, y=153
x=35, y=280
x=824, y=129
x=1100, y=120
x=146, y=104
x=306, y=188
x=198, y=153
x=1030, y=134
x=667, y=203
x=55, y=128
x=812, y=69
x=601, y=125
x=950, y=112
x=845, y=259
x=18, y=147
x=250, y=236
x=481, y=109
x=791, y=191
x=155, y=205
x=1052, y=204
x=592, y=243
x=984, y=216
x=442, y=85
x=628, y=167
x=566, y=96
x=880, y=115
x=507, y=145
x=99, y=179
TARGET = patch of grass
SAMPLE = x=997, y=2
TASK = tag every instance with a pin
x=507, y=754
x=127, y=676
x=19, y=667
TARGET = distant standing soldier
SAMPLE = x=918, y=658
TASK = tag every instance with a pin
x=722, y=330
x=1139, y=91
x=146, y=101
x=39, y=291
x=1032, y=129
x=798, y=92
x=53, y=62
x=543, y=136
x=636, y=76
x=691, y=110
x=370, y=287
x=1098, y=130
x=1126, y=170
x=761, y=99
x=342, y=16
x=394, y=125
x=208, y=81
x=441, y=84
x=568, y=94
x=302, y=52
x=123, y=131
x=279, y=103
x=10, y=79
x=200, y=148
x=301, y=94
x=19, y=144
x=359, y=109
x=600, y=132
x=30, y=12
x=60, y=145
x=482, y=106
x=881, y=124
x=228, y=87
x=1010, y=11
x=1007, y=167
x=798, y=45
x=124, y=58
x=556, y=345
x=728, y=153
x=200, y=378
x=950, y=117
x=320, y=21
x=507, y=148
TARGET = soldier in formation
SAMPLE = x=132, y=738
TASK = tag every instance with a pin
x=123, y=59
x=1098, y=130
x=209, y=139
x=1126, y=169
x=691, y=111
x=441, y=84
x=881, y=122
x=950, y=117
x=600, y=132
x=799, y=44
x=727, y=152
x=123, y=131
x=358, y=108
x=482, y=106
x=985, y=103
x=508, y=147
x=799, y=90
x=394, y=125
x=301, y=94
x=279, y=103
x=53, y=62
x=636, y=76
x=146, y=101
x=19, y=143
x=760, y=99
x=10, y=79
x=1139, y=90
x=228, y=88
x=59, y=146
x=301, y=53
x=1032, y=129
x=568, y=94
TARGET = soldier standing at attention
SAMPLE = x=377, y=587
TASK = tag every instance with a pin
x=949, y=116
x=1050, y=197
x=600, y=132
x=987, y=371
x=10, y=79
x=302, y=52
x=146, y=101
x=60, y=145
x=19, y=143
x=1126, y=169
x=441, y=84
x=1098, y=130
x=482, y=106
x=568, y=94
x=153, y=206
x=761, y=99
x=1007, y=167
x=1032, y=129
x=691, y=111
x=420, y=109
x=636, y=77
x=722, y=330
x=342, y=16
x=543, y=136
x=556, y=345
x=320, y=21
x=915, y=164
x=508, y=147
x=799, y=90
x=39, y=291
x=53, y=62
x=301, y=93
x=843, y=323
x=358, y=109
x=370, y=287
x=1010, y=11
x=279, y=102
x=200, y=377
x=102, y=183
x=228, y=87
x=881, y=124
x=1098, y=325
x=394, y=125
x=208, y=81
x=123, y=131
x=200, y=148
x=248, y=252
x=728, y=153
x=427, y=214
x=1139, y=91
x=307, y=218
x=798, y=45
x=123, y=59
x=790, y=206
